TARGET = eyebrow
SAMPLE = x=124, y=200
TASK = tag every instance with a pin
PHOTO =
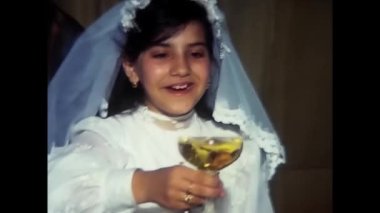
x=163, y=44
x=198, y=44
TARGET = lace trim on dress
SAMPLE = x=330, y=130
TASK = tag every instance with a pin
x=268, y=141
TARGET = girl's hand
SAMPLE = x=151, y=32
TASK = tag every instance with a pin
x=176, y=187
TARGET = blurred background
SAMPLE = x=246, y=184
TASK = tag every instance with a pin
x=286, y=48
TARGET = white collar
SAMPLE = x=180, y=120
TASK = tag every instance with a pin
x=167, y=122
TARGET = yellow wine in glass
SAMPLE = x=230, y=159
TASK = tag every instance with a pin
x=210, y=154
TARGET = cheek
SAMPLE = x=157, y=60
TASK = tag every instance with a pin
x=204, y=71
x=150, y=74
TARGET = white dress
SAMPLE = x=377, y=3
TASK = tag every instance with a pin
x=94, y=173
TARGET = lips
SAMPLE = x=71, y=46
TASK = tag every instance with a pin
x=180, y=87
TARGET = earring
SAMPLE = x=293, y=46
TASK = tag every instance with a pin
x=134, y=84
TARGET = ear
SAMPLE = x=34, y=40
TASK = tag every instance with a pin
x=130, y=72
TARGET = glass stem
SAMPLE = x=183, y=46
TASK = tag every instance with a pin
x=209, y=204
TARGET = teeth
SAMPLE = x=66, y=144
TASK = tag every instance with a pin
x=184, y=86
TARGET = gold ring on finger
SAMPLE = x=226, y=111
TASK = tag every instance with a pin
x=188, y=197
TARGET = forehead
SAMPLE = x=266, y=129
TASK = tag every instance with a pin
x=192, y=32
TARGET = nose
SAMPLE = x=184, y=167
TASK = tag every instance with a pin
x=181, y=66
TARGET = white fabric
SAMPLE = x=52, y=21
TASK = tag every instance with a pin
x=93, y=173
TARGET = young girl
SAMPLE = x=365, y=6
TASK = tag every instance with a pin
x=133, y=84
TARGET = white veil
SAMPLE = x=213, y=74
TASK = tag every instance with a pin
x=82, y=84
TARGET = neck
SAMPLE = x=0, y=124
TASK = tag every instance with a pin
x=168, y=122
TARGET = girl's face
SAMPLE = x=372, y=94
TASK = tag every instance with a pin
x=173, y=73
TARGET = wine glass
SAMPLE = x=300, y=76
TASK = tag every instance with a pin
x=210, y=154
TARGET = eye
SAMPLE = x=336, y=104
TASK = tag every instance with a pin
x=159, y=52
x=159, y=55
x=198, y=54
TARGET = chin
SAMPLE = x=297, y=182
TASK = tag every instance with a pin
x=178, y=110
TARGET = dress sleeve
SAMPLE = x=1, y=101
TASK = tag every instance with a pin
x=89, y=175
x=263, y=202
x=257, y=187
